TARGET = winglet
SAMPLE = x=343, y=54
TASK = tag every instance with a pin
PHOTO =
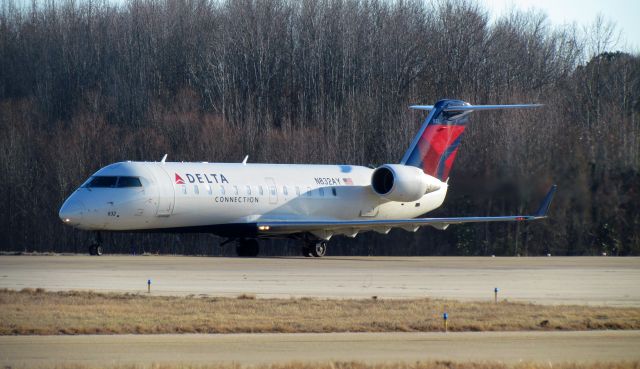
x=544, y=205
x=164, y=158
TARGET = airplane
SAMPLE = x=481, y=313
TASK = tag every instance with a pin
x=245, y=202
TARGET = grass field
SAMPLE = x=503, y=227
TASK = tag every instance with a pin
x=40, y=312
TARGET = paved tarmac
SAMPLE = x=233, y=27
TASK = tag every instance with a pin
x=508, y=347
x=547, y=280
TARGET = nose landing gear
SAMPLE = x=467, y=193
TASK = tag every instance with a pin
x=96, y=245
x=95, y=250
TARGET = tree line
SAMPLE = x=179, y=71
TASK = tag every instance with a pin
x=84, y=84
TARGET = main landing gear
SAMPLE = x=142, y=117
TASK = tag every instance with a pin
x=248, y=248
x=317, y=249
x=96, y=245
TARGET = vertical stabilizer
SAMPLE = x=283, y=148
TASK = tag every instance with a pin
x=435, y=146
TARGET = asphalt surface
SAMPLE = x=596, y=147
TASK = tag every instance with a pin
x=547, y=280
x=508, y=347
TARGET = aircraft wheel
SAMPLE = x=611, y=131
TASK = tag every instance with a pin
x=320, y=249
x=96, y=245
x=306, y=251
x=95, y=250
x=254, y=248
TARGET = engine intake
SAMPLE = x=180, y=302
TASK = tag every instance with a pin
x=398, y=182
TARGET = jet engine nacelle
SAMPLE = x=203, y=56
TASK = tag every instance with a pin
x=397, y=182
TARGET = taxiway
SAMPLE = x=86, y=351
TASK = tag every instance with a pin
x=508, y=347
x=547, y=280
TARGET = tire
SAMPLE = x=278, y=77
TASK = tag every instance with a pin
x=319, y=249
x=306, y=251
x=95, y=250
x=253, y=248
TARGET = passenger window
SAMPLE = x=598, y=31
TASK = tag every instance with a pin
x=209, y=191
x=248, y=190
x=221, y=190
x=260, y=190
x=297, y=191
x=273, y=190
x=285, y=191
x=195, y=189
x=184, y=189
x=235, y=190
x=129, y=182
x=321, y=191
x=333, y=191
x=103, y=182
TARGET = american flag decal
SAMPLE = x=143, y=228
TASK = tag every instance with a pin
x=348, y=181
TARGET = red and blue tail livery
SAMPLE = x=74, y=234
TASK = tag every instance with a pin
x=435, y=146
x=438, y=140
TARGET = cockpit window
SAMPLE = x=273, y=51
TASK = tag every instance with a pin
x=129, y=182
x=101, y=182
x=111, y=182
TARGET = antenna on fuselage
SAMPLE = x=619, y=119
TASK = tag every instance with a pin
x=163, y=158
x=244, y=161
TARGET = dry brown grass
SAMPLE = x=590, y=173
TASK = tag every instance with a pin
x=35, y=311
x=360, y=365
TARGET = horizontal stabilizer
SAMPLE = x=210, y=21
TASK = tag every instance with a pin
x=477, y=107
x=435, y=147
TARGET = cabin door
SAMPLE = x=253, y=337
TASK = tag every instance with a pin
x=272, y=189
x=166, y=192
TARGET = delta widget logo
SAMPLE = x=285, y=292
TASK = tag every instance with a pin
x=179, y=179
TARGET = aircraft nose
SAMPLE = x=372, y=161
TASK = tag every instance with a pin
x=71, y=211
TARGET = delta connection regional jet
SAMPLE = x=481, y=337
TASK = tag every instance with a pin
x=247, y=202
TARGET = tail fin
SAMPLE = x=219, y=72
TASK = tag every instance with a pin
x=435, y=146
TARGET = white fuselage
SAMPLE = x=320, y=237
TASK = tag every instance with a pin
x=192, y=195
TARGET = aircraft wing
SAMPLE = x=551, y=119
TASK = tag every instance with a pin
x=327, y=228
